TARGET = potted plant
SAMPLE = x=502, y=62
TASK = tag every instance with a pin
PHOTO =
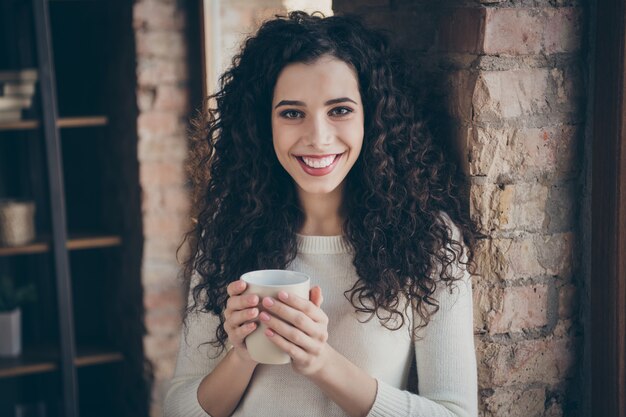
x=11, y=298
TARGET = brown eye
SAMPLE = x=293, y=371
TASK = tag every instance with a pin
x=291, y=114
x=340, y=111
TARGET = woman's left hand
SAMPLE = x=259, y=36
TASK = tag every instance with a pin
x=298, y=327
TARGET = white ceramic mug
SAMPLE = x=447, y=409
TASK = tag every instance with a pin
x=267, y=283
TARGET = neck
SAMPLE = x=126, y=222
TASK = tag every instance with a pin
x=322, y=213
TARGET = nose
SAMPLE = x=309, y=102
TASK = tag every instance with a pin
x=320, y=133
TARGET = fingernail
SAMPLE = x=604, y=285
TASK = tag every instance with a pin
x=254, y=312
x=269, y=332
x=269, y=302
x=283, y=295
x=264, y=316
x=254, y=300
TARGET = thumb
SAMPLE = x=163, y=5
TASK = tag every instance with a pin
x=315, y=295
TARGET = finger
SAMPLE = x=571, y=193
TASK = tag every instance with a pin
x=303, y=305
x=295, y=352
x=315, y=295
x=240, y=302
x=294, y=317
x=291, y=333
x=238, y=318
x=236, y=287
x=244, y=331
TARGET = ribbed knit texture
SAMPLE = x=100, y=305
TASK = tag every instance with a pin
x=444, y=352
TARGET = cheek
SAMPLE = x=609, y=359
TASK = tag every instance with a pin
x=281, y=145
x=353, y=135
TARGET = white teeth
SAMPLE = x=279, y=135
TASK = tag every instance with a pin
x=319, y=162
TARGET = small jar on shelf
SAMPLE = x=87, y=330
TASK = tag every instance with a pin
x=17, y=222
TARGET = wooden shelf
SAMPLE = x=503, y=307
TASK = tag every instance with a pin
x=26, y=364
x=20, y=125
x=87, y=121
x=75, y=242
x=96, y=356
x=45, y=360
x=36, y=247
x=63, y=122
x=92, y=242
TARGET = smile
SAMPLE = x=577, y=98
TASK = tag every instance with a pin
x=318, y=166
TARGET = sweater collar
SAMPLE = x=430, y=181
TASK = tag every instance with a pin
x=322, y=244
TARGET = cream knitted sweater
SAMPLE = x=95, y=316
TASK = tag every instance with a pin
x=444, y=352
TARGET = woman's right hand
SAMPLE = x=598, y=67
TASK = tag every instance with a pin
x=240, y=309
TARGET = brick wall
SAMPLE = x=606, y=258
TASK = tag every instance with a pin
x=514, y=73
x=163, y=101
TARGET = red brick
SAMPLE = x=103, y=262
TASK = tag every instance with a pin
x=153, y=123
x=524, y=153
x=145, y=98
x=546, y=361
x=570, y=90
x=568, y=301
x=170, y=97
x=523, y=402
x=513, y=31
x=171, y=199
x=164, y=225
x=521, y=308
x=563, y=30
x=527, y=256
x=523, y=31
x=515, y=258
x=160, y=271
x=163, y=323
x=166, y=299
x=461, y=87
x=509, y=207
x=161, y=44
x=156, y=71
x=164, y=368
x=153, y=14
x=157, y=347
x=161, y=173
x=511, y=94
x=555, y=253
x=163, y=148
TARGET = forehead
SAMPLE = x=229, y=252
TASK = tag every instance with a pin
x=325, y=78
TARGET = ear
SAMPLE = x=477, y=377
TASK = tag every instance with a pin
x=315, y=295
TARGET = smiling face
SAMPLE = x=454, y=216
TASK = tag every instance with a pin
x=317, y=124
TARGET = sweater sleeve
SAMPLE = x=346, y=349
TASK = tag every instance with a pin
x=196, y=358
x=445, y=358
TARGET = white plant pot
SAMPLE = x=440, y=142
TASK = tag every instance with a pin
x=11, y=333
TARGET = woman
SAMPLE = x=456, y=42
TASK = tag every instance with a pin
x=313, y=160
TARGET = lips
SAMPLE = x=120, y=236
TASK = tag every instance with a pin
x=319, y=171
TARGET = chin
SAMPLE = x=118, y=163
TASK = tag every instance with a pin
x=320, y=190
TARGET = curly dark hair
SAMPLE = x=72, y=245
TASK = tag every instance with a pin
x=247, y=207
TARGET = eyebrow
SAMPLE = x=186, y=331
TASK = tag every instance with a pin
x=301, y=103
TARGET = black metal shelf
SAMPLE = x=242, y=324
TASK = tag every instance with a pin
x=74, y=155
